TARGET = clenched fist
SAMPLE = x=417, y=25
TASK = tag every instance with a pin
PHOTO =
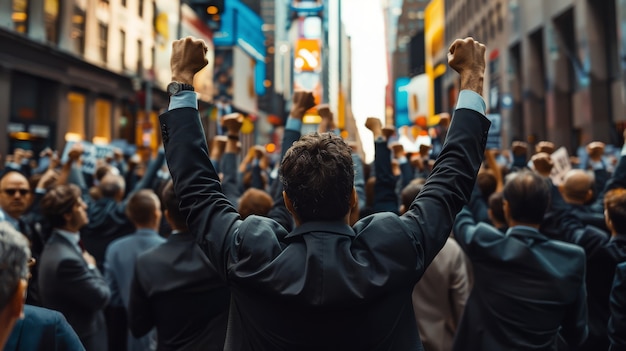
x=188, y=57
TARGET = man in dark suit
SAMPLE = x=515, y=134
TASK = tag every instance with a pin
x=69, y=280
x=325, y=285
x=177, y=290
x=42, y=329
x=527, y=288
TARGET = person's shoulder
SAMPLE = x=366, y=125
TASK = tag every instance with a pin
x=41, y=316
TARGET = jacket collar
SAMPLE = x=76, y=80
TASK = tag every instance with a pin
x=525, y=232
x=337, y=227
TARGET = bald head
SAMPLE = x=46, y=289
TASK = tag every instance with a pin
x=577, y=187
x=112, y=185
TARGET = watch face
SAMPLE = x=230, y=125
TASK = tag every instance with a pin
x=173, y=88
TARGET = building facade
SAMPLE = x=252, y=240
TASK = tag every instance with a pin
x=556, y=69
x=71, y=70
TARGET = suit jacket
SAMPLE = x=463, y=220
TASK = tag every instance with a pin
x=617, y=322
x=177, y=289
x=68, y=285
x=119, y=265
x=439, y=297
x=324, y=285
x=527, y=289
x=42, y=330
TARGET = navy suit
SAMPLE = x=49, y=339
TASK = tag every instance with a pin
x=527, y=289
x=42, y=330
x=324, y=285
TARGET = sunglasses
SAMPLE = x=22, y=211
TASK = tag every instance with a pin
x=11, y=192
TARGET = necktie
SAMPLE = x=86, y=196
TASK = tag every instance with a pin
x=81, y=245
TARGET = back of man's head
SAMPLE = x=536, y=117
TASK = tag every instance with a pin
x=528, y=196
x=143, y=208
x=14, y=256
x=112, y=186
x=254, y=202
x=318, y=177
x=171, y=205
x=615, y=207
x=409, y=193
x=487, y=183
x=577, y=186
x=57, y=202
x=496, y=210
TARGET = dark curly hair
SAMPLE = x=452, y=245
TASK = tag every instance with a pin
x=318, y=176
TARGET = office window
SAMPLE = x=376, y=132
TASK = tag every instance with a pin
x=20, y=15
x=123, y=50
x=103, y=36
x=499, y=15
x=51, y=20
x=76, y=117
x=102, y=123
x=124, y=3
x=139, y=58
x=78, y=29
x=140, y=9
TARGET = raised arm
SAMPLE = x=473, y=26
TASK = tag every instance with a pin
x=450, y=183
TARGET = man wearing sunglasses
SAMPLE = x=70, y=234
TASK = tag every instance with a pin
x=16, y=199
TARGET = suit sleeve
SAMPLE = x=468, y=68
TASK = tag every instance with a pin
x=385, y=198
x=450, y=183
x=209, y=213
x=230, y=181
x=109, y=276
x=140, y=318
x=574, y=328
x=617, y=321
x=86, y=287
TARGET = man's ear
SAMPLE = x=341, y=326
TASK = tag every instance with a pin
x=290, y=208
x=16, y=304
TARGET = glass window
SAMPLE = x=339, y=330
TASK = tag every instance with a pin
x=51, y=20
x=78, y=29
x=124, y=3
x=20, y=15
x=139, y=57
x=123, y=49
x=76, y=120
x=102, y=125
x=140, y=9
x=103, y=34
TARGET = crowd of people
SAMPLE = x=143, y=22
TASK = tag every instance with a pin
x=453, y=247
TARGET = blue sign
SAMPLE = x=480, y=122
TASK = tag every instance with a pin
x=402, y=102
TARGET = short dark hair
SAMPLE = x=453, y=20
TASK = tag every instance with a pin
x=410, y=192
x=58, y=201
x=171, y=204
x=615, y=205
x=528, y=195
x=318, y=177
x=141, y=206
x=487, y=183
x=495, y=205
x=254, y=202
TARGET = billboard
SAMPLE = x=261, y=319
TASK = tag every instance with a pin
x=307, y=55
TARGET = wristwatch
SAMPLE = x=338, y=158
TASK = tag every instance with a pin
x=176, y=87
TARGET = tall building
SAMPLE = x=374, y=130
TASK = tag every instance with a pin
x=556, y=69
